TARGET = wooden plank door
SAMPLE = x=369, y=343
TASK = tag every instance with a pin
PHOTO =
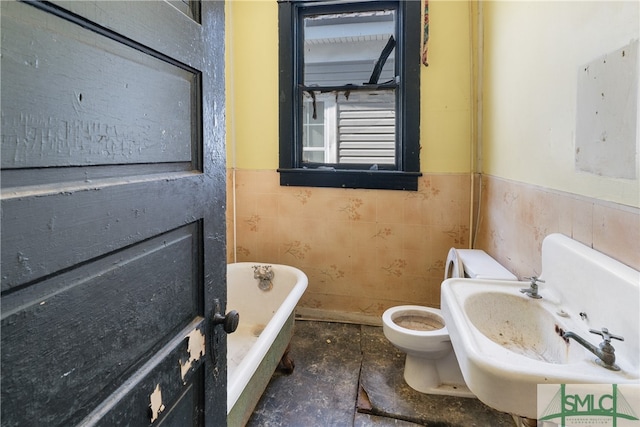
x=113, y=193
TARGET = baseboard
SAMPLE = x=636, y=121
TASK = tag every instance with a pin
x=305, y=313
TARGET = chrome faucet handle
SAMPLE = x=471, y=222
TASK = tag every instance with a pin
x=532, y=290
x=606, y=336
x=534, y=280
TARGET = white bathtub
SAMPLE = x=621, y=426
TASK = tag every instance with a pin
x=263, y=334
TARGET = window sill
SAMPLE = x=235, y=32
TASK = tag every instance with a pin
x=379, y=180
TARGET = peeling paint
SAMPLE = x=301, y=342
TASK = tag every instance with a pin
x=156, y=403
x=67, y=373
x=196, y=349
x=24, y=262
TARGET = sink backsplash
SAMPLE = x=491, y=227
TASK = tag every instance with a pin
x=597, y=291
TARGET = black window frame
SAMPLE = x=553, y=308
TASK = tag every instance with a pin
x=404, y=176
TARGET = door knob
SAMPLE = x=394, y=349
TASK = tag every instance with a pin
x=229, y=321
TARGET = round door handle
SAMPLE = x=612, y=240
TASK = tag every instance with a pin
x=229, y=321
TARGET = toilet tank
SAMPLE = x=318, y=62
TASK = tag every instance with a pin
x=475, y=264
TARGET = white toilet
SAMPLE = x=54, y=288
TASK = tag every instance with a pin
x=431, y=365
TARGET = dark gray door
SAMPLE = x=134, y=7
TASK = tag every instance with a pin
x=113, y=235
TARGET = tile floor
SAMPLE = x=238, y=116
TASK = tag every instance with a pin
x=350, y=375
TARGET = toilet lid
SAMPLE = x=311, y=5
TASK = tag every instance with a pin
x=453, y=266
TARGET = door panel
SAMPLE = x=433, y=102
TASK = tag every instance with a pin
x=153, y=394
x=115, y=105
x=148, y=307
x=113, y=235
x=130, y=209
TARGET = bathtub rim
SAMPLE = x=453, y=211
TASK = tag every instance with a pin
x=249, y=364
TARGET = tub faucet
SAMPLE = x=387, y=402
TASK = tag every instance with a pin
x=532, y=290
x=605, y=351
x=265, y=275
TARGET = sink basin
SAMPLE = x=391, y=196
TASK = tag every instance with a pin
x=522, y=325
x=507, y=343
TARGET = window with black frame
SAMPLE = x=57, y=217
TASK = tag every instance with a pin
x=350, y=94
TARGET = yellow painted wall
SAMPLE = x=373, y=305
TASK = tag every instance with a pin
x=377, y=257
x=532, y=53
x=252, y=84
x=252, y=87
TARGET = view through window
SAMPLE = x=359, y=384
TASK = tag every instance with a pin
x=349, y=86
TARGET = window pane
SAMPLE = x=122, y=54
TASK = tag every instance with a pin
x=313, y=106
x=313, y=129
x=362, y=131
x=367, y=127
x=314, y=136
x=313, y=156
x=343, y=48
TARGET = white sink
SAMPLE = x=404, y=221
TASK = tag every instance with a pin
x=520, y=324
x=507, y=343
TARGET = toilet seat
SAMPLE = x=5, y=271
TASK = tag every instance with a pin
x=429, y=344
x=429, y=316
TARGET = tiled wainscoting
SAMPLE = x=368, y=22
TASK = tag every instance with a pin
x=515, y=218
x=363, y=250
x=367, y=250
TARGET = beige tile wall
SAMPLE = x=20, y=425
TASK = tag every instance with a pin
x=367, y=250
x=515, y=218
x=363, y=250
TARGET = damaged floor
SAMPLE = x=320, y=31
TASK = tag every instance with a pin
x=350, y=375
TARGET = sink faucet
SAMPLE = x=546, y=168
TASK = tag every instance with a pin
x=532, y=290
x=265, y=275
x=605, y=351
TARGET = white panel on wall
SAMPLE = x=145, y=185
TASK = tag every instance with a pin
x=607, y=114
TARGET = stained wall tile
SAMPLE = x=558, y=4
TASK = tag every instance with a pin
x=514, y=218
x=616, y=230
x=367, y=250
x=363, y=250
